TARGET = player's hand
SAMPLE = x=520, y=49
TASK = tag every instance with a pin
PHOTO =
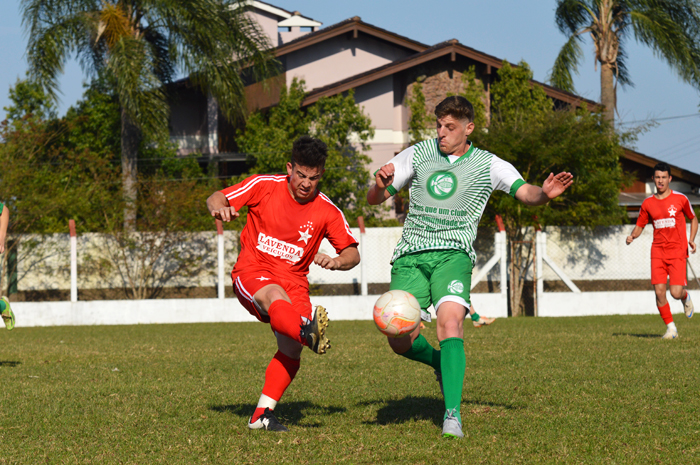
x=225, y=214
x=692, y=246
x=554, y=186
x=629, y=240
x=385, y=176
x=326, y=262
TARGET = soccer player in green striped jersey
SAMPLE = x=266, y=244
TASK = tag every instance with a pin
x=450, y=182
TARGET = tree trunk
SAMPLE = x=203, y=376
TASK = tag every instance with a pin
x=130, y=136
x=607, y=91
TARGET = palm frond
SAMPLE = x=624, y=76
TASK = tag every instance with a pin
x=138, y=89
x=572, y=15
x=672, y=30
x=567, y=62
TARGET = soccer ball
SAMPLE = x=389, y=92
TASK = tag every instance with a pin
x=396, y=313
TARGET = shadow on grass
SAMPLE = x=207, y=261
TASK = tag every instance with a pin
x=288, y=413
x=9, y=363
x=418, y=408
x=648, y=336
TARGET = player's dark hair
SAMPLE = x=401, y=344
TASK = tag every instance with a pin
x=309, y=152
x=662, y=166
x=457, y=107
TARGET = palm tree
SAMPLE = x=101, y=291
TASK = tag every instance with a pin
x=143, y=45
x=671, y=28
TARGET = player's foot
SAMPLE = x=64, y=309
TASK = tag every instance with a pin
x=452, y=427
x=670, y=334
x=267, y=421
x=8, y=317
x=438, y=378
x=482, y=321
x=688, y=305
x=315, y=331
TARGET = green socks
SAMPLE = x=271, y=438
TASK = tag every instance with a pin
x=3, y=306
x=454, y=365
x=422, y=351
x=475, y=317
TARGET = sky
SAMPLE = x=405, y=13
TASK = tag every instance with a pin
x=507, y=29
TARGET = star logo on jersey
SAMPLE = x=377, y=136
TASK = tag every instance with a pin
x=304, y=236
x=263, y=278
x=672, y=211
x=442, y=185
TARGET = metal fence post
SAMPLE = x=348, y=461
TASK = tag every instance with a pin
x=220, y=257
x=363, y=261
x=73, y=262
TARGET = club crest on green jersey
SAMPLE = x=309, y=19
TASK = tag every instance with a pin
x=442, y=185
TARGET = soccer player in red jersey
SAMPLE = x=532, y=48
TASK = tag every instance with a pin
x=666, y=211
x=287, y=220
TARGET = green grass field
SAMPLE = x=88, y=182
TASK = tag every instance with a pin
x=565, y=390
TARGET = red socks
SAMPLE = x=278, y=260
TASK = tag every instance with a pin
x=665, y=312
x=285, y=320
x=278, y=376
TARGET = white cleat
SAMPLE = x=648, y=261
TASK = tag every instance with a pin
x=688, y=306
x=670, y=334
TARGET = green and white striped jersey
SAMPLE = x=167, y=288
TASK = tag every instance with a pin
x=448, y=195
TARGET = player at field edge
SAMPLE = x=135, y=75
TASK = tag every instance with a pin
x=666, y=211
x=287, y=220
x=450, y=181
x=8, y=316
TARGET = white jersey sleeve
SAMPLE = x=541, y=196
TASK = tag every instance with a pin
x=403, y=170
x=504, y=176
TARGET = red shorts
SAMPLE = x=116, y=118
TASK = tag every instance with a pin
x=245, y=285
x=673, y=268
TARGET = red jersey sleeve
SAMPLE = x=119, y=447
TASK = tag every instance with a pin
x=337, y=229
x=643, y=218
x=687, y=208
x=245, y=192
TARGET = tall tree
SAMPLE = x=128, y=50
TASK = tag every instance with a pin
x=671, y=28
x=143, y=45
x=537, y=139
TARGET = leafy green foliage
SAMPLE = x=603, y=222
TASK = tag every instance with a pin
x=28, y=99
x=419, y=120
x=473, y=90
x=538, y=140
x=339, y=122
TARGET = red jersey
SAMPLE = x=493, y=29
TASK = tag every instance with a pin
x=668, y=218
x=281, y=235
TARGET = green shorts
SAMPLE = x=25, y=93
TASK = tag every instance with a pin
x=434, y=277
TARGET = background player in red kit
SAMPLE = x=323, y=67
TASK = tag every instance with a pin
x=287, y=219
x=666, y=211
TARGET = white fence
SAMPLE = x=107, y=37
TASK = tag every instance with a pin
x=580, y=257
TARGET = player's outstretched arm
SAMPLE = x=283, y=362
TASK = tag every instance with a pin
x=4, y=222
x=218, y=206
x=636, y=232
x=693, y=232
x=383, y=179
x=348, y=258
x=553, y=187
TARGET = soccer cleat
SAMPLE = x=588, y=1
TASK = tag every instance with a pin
x=670, y=334
x=267, y=421
x=483, y=322
x=8, y=317
x=452, y=427
x=688, y=306
x=438, y=377
x=315, y=332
